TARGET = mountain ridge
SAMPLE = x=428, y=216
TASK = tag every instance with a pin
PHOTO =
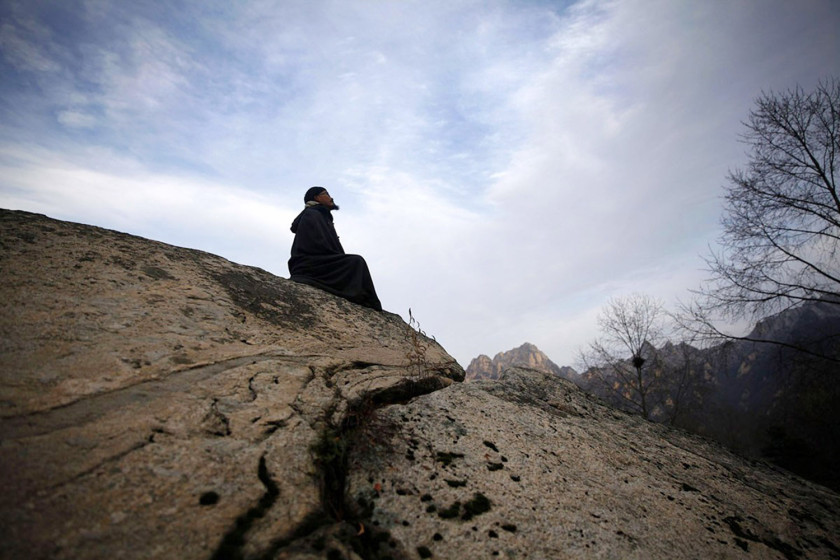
x=526, y=355
x=761, y=399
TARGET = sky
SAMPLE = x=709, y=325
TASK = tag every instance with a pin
x=505, y=167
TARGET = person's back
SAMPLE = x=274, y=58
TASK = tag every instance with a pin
x=318, y=259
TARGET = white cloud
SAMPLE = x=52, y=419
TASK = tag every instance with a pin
x=24, y=47
x=119, y=194
x=76, y=119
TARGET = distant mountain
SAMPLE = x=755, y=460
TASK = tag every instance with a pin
x=764, y=400
x=527, y=356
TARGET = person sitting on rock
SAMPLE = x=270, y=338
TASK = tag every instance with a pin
x=318, y=258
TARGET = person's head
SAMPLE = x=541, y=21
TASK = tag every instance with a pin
x=321, y=196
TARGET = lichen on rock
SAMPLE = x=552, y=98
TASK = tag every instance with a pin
x=578, y=480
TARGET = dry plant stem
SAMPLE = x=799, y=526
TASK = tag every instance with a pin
x=418, y=364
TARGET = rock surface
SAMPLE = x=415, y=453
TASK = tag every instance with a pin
x=529, y=466
x=158, y=402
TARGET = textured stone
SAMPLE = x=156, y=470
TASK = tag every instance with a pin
x=159, y=402
x=529, y=466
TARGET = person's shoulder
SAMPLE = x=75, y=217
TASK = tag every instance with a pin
x=319, y=210
x=314, y=215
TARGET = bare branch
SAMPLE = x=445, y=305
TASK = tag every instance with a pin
x=781, y=228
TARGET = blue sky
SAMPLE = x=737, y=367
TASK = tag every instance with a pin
x=505, y=167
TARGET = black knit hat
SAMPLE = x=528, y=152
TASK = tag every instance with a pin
x=312, y=193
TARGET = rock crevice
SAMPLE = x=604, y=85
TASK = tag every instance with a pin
x=233, y=542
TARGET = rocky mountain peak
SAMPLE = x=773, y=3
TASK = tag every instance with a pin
x=527, y=355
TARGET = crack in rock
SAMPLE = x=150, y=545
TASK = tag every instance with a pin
x=116, y=457
x=93, y=407
x=234, y=540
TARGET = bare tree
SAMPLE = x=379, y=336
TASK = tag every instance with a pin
x=631, y=328
x=781, y=227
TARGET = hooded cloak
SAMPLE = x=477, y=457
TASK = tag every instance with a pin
x=318, y=259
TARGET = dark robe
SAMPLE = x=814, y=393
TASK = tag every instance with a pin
x=318, y=259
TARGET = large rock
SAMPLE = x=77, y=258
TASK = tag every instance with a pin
x=529, y=466
x=160, y=402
